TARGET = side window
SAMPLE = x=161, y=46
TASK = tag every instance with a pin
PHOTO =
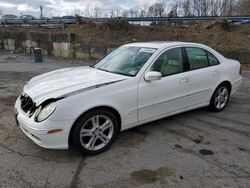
x=169, y=62
x=212, y=60
x=197, y=58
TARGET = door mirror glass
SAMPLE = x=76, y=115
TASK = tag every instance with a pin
x=152, y=75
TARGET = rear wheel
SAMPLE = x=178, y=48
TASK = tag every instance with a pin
x=220, y=98
x=95, y=131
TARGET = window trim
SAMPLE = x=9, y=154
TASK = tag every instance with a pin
x=184, y=62
x=206, y=51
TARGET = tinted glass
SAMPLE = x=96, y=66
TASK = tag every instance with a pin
x=170, y=62
x=212, y=60
x=197, y=58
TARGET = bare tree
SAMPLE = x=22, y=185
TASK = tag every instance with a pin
x=215, y=7
x=142, y=13
x=97, y=12
x=227, y=7
x=125, y=13
x=111, y=13
x=243, y=7
x=88, y=12
x=201, y=7
x=186, y=6
x=77, y=12
x=157, y=9
x=175, y=7
x=131, y=13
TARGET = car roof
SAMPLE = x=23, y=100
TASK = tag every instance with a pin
x=161, y=44
x=26, y=15
x=9, y=15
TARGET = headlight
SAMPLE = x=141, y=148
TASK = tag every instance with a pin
x=44, y=112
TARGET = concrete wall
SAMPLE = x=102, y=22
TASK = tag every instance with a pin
x=55, y=44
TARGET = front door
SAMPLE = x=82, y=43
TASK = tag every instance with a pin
x=169, y=94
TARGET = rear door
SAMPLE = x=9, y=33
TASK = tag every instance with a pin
x=202, y=76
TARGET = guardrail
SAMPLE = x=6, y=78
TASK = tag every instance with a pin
x=182, y=19
x=60, y=22
x=171, y=19
x=46, y=23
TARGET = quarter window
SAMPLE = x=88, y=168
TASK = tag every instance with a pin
x=169, y=62
x=212, y=60
x=197, y=58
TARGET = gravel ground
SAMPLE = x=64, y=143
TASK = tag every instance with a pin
x=194, y=149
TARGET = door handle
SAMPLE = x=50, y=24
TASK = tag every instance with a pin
x=183, y=80
x=216, y=72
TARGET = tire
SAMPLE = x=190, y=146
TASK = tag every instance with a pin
x=220, y=98
x=95, y=131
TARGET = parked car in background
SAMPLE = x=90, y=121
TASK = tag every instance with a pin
x=56, y=17
x=137, y=83
x=245, y=22
x=9, y=17
x=45, y=18
x=26, y=17
x=68, y=19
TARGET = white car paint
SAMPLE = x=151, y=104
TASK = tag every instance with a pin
x=136, y=100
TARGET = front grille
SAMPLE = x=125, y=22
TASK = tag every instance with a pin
x=27, y=105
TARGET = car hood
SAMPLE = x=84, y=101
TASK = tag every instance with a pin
x=68, y=81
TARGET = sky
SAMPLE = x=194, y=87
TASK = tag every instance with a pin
x=69, y=7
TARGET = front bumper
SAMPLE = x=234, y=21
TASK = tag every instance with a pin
x=38, y=132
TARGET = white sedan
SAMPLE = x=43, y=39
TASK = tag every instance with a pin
x=87, y=107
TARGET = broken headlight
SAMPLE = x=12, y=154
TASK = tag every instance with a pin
x=45, y=111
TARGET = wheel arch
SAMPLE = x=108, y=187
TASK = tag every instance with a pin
x=113, y=110
x=227, y=83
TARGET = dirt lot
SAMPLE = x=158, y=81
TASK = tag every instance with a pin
x=193, y=149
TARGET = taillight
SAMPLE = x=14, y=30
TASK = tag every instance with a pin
x=240, y=72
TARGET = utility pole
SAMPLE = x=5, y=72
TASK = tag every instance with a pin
x=41, y=11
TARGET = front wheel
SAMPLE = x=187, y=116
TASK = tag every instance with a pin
x=220, y=98
x=95, y=131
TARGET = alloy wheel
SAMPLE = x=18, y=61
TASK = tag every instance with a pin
x=96, y=132
x=221, y=97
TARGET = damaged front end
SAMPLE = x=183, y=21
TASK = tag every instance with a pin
x=41, y=111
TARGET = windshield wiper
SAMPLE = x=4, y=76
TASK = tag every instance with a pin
x=104, y=70
x=114, y=72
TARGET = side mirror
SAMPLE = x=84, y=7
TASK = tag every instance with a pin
x=152, y=75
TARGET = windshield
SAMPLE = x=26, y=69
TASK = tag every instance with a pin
x=126, y=60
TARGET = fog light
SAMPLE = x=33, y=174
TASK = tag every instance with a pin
x=54, y=131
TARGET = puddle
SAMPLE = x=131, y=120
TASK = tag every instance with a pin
x=178, y=146
x=199, y=139
x=206, y=152
x=146, y=176
x=242, y=149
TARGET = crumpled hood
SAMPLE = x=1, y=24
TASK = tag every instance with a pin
x=68, y=80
